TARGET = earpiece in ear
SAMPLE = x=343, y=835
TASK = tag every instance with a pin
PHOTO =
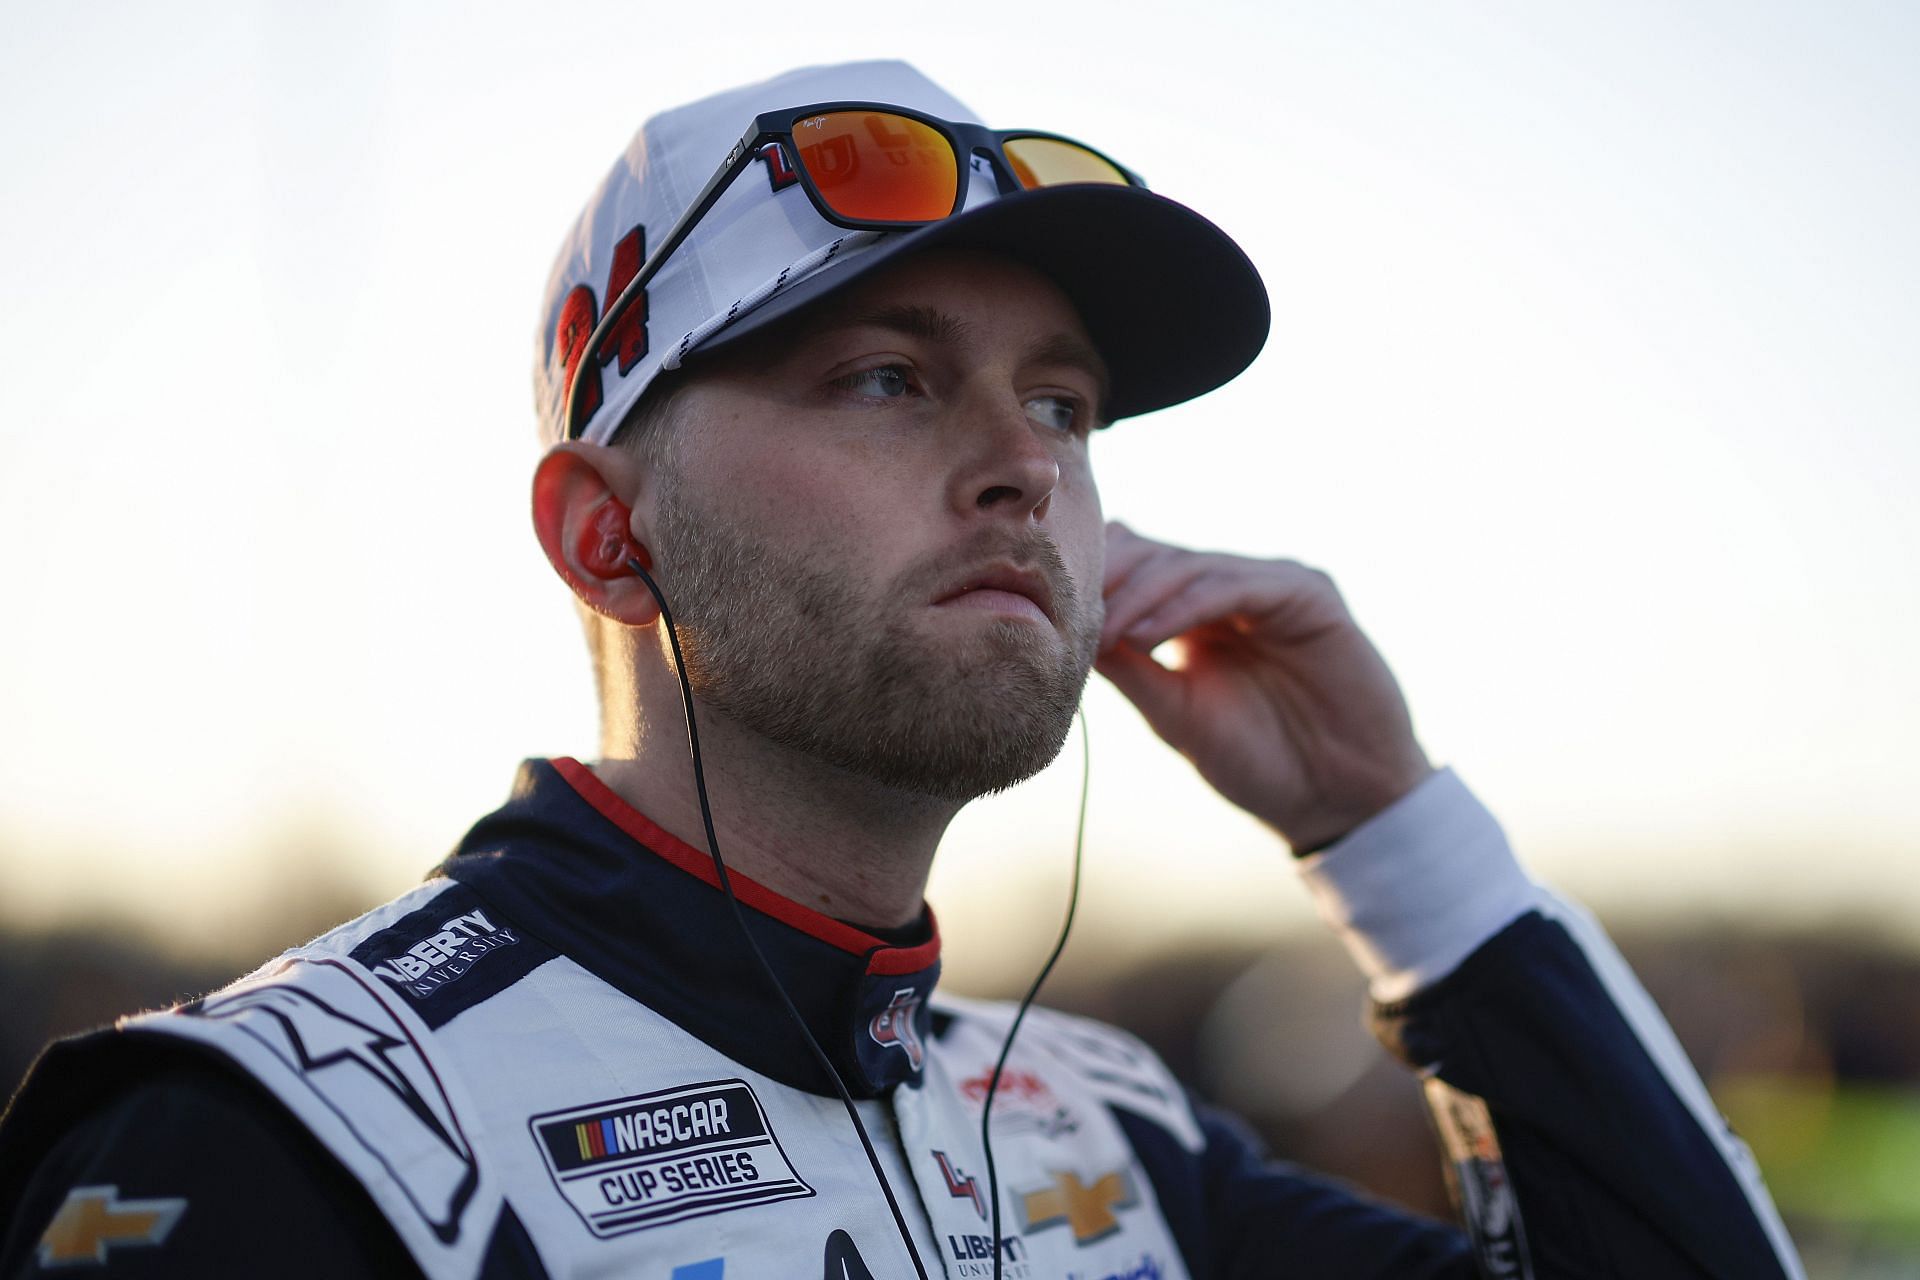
x=610, y=543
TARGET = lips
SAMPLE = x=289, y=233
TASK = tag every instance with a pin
x=1003, y=577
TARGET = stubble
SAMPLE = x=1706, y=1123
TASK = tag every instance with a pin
x=789, y=646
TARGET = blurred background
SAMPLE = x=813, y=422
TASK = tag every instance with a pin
x=1592, y=380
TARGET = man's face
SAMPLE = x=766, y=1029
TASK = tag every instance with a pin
x=879, y=531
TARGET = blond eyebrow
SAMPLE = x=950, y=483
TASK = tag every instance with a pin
x=927, y=323
x=930, y=324
x=1065, y=349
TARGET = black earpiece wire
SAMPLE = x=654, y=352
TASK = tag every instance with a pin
x=1060, y=945
x=726, y=884
x=840, y=1086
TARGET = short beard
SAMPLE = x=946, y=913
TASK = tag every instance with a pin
x=789, y=648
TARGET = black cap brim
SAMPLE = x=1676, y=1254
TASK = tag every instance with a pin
x=1173, y=305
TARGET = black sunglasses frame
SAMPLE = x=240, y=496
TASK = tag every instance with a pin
x=966, y=140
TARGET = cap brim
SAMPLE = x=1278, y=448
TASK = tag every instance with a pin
x=1171, y=302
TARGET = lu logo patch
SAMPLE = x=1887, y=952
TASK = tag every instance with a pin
x=962, y=1186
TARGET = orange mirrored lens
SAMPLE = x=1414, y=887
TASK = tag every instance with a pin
x=873, y=166
x=1049, y=162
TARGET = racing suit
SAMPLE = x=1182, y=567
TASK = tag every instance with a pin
x=558, y=1058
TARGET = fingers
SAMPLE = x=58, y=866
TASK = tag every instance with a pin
x=1126, y=550
x=1152, y=580
x=1159, y=694
x=1155, y=592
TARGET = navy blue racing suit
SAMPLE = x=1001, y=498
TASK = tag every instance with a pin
x=557, y=1057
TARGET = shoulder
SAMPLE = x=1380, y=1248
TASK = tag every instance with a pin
x=416, y=963
x=1096, y=1060
x=338, y=1043
x=119, y=1129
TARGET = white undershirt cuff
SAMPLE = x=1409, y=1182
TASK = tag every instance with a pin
x=1419, y=886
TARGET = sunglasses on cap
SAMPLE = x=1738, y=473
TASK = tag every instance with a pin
x=869, y=166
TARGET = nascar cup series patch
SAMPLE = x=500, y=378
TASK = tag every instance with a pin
x=664, y=1157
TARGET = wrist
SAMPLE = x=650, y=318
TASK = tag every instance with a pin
x=1331, y=821
x=1414, y=891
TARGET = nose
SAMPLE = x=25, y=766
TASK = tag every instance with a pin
x=1011, y=468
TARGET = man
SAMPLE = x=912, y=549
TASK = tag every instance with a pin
x=829, y=403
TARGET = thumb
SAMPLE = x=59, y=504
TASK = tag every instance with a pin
x=1160, y=694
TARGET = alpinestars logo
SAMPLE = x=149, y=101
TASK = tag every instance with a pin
x=843, y=1260
x=893, y=1026
x=362, y=1064
x=438, y=959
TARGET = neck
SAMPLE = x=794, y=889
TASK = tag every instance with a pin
x=828, y=839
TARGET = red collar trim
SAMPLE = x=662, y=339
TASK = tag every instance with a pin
x=882, y=957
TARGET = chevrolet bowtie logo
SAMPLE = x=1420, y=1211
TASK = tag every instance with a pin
x=1088, y=1210
x=94, y=1219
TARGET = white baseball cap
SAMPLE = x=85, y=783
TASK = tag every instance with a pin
x=1172, y=304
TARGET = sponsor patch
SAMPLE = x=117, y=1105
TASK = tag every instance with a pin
x=92, y=1220
x=972, y=1255
x=962, y=1186
x=1478, y=1172
x=1087, y=1209
x=445, y=954
x=664, y=1157
x=1022, y=1104
x=1148, y=1268
x=893, y=1026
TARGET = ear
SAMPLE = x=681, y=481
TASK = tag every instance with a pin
x=583, y=515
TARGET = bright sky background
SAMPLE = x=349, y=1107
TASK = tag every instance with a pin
x=1593, y=379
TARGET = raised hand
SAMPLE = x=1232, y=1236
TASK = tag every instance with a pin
x=1275, y=696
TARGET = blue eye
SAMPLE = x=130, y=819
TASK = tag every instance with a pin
x=886, y=382
x=1062, y=413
